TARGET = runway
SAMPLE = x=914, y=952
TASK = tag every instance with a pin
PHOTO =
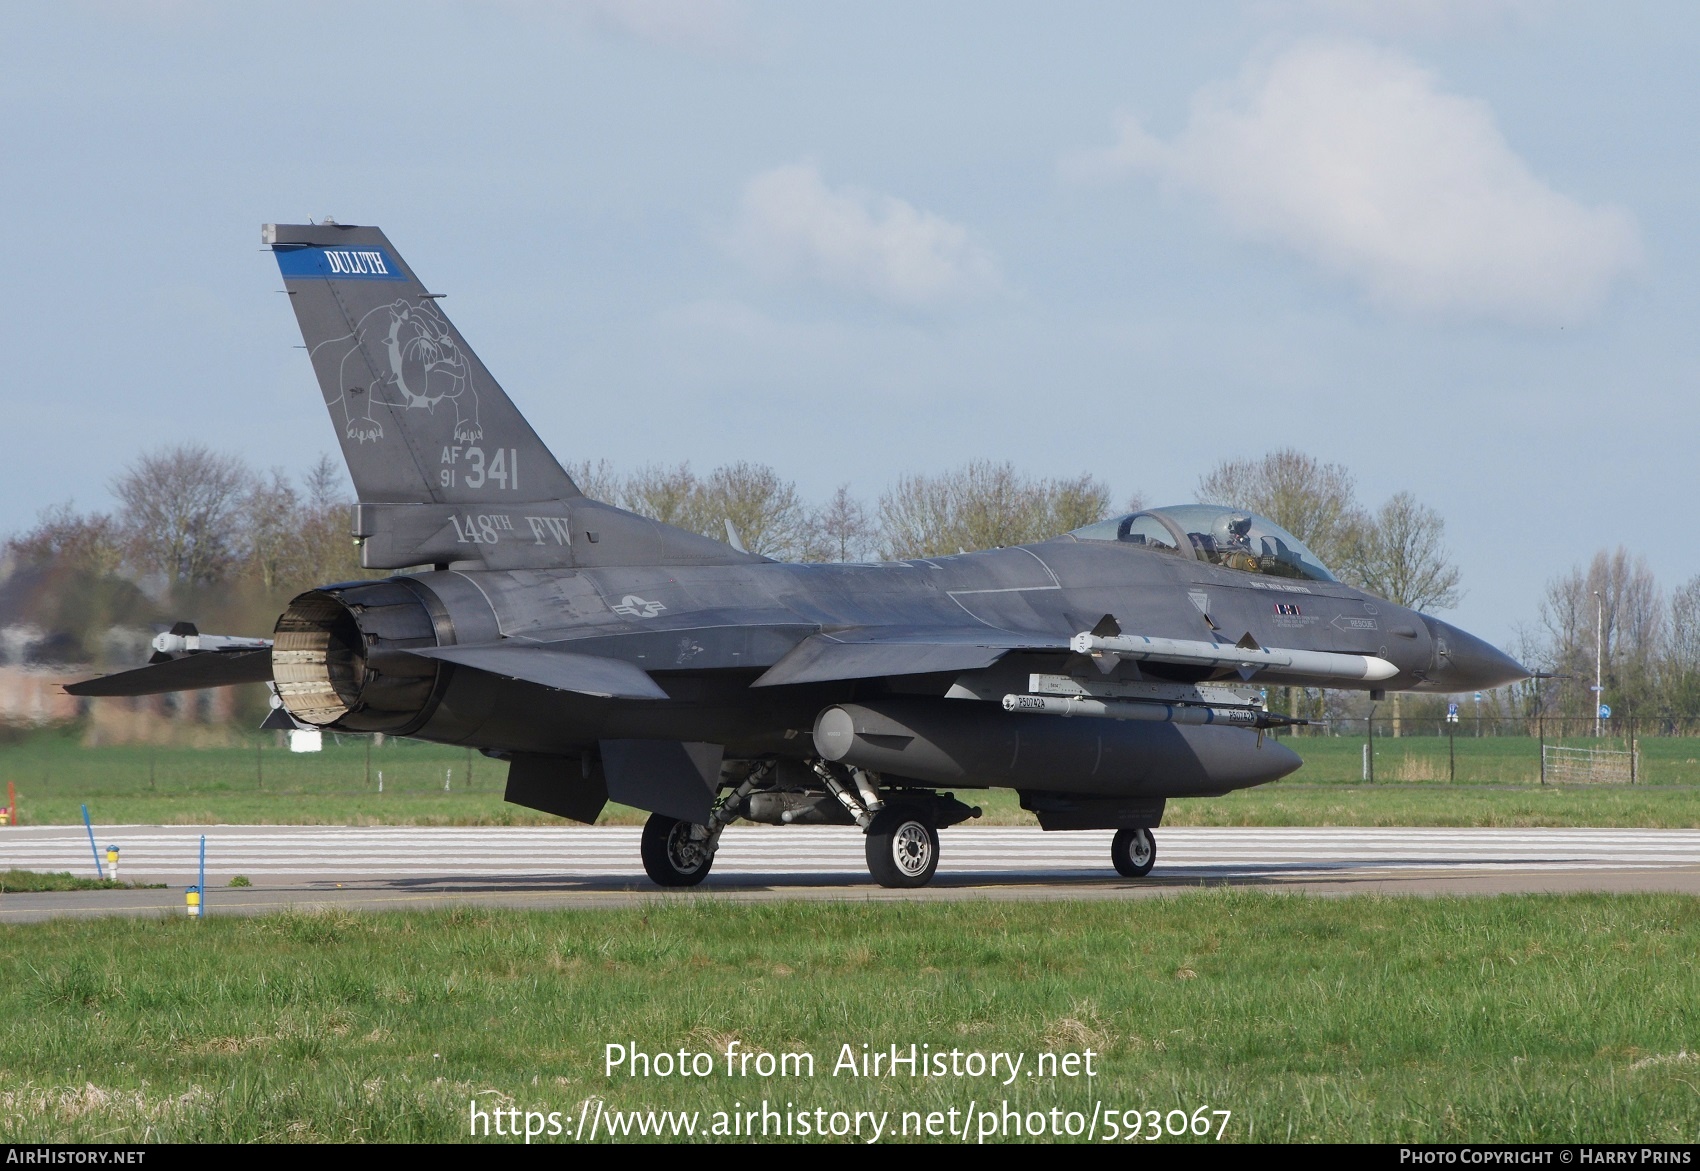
x=397, y=867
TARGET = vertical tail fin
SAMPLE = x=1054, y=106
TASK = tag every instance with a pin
x=419, y=418
x=445, y=467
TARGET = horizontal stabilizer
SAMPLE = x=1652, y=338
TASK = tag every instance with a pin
x=560, y=670
x=190, y=673
x=871, y=653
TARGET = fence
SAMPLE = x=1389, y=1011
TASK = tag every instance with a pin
x=1492, y=751
x=1564, y=765
x=1499, y=750
x=1554, y=729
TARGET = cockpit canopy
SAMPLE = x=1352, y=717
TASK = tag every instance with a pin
x=1230, y=537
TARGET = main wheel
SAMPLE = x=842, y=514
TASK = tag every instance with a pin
x=675, y=853
x=903, y=849
x=1134, y=851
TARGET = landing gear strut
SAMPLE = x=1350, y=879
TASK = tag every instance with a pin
x=1134, y=852
x=680, y=853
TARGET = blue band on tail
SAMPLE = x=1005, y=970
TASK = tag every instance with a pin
x=364, y=263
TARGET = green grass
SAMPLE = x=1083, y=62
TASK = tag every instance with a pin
x=1520, y=1019
x=1293, y=803
x=259, y=782
x=30, y=881
x=1484, y=760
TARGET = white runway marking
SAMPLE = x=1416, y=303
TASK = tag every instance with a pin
x=334, y=854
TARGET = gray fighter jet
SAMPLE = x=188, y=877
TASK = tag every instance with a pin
x=606, y=656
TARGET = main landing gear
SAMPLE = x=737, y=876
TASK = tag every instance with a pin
x=902, y=825
x=903, y=849
x=1134, y=852
x=676, y=853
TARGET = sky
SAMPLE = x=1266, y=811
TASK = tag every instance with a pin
x=1448, y=244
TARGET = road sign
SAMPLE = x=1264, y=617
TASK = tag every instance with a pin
x=1605, y=711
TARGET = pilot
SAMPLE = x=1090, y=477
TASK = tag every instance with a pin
x=1232, y=534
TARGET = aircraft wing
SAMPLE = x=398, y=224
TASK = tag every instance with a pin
x=720, y=643
x=547, y=667
x=870, y=652
x=207, y=669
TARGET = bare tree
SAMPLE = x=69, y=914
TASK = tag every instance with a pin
x=598, y=480
x=180, y=511
x=984, y=505
x=91, y=542
x=328, y=550
x=1074, y=504
x=1625, y=622
x=65, y=579
x=842, y=530
x=1680, y=663
x=991, y=505
x=271, y=515
x=766, y=511
x=1401, y=555
x=916, y=518
x=670, y=495
x=1312, y=500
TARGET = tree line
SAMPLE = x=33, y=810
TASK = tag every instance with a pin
x=1612, y=617
x=195, y=531
x=980, y=505
x=198, y=533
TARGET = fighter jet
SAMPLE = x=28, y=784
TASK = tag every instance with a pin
x=606, y=656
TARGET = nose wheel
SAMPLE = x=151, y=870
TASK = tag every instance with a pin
x=1134, y=852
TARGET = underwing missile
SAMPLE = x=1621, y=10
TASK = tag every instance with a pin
x=1134, y=709
x=1247, y=657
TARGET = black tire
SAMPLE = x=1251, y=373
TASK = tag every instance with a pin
x=903, y=849
x=670, y=857
x=1134, y=852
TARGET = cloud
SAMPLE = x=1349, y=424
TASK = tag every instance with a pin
x=1354, y=158
x=792, y=227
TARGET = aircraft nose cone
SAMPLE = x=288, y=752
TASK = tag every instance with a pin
x=1463, y=662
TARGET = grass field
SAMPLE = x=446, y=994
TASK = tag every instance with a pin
x=34, y=881
x=261, y=783
x=1520, y=1019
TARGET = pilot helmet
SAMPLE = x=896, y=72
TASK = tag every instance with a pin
x=1231, y=528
